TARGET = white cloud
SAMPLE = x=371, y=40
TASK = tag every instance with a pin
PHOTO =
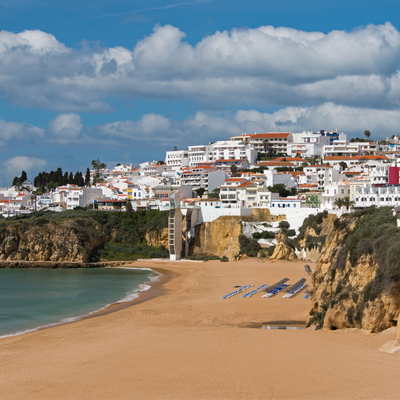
x=14, y=166
x=263, y=66
x=15, y=131
x=65, y=127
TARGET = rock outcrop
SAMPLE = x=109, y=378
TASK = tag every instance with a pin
x=70, y=240
x=219, y=237
x=283, y=250
x=157, y=238
x=339, y=285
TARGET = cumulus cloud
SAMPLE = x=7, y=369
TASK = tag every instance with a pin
x=15, y=165
x=263, y=66
x=16, y=131
x=65, y=127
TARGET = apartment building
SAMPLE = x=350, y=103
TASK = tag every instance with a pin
x=222, y=150
x=267, y=142
x=82, y=197
x=307, y=144
x=177, y=159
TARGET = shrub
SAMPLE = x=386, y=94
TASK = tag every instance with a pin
x=271, y=250
x=264, y=235
x=284, y=225
x=250, y=247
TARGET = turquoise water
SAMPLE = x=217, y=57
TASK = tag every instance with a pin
x=32, y=298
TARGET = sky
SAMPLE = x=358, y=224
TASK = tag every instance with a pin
x=125, y=81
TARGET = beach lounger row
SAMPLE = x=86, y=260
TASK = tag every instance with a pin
x=275, y=291
x=249, y=294
x=275, y=285
x=229, y=295
x=293, y=292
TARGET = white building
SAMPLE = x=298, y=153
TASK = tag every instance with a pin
x=177, y=159
x=333, y=192
x=222, y=150
x=82, y=197
x=307, y=144
x=275, y=142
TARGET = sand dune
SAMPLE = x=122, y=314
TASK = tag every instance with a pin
x=188, y=343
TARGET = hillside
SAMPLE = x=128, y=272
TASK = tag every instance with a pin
x=82, y=236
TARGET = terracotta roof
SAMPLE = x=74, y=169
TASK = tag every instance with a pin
x=289, y=159
x=310, y=185
x=270, y=135
x=318, y=166
x=337, y=158
x=371, y=157
x=276, y=163
x=244, y=184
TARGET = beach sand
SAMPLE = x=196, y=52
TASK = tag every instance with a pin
x=188, y=343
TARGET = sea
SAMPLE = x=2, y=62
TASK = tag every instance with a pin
x=34, y=298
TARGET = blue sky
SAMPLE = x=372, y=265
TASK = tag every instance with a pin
x=124, y=81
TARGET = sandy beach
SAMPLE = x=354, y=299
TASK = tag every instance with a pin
x=188, y=343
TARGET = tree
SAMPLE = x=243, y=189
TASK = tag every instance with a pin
x=18, y=181
x=343, y=165
x=367, y=134
x=128, y=207
x=161, y=162
x=87, y=177
x=279, y=188
x=347, y=202
x=214, y=194
x=71, y=180
x=175, y=148
x=97, y=166
x=339, y=203
x=200, y=191
x=234, y=169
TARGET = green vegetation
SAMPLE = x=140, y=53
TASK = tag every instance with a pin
x=112, y=251
x=375, y=233
x=264, y=235
x=281, y=189
x=313, y=221
x=50, y=180
x=250, y=247
x=125, y=232
x=284, y=225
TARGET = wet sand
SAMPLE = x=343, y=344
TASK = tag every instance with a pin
x=188, y=343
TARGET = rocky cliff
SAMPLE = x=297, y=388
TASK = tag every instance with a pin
x=284, y=250
x=71, y=240
x=221, y=236
x=80, y=236
x=356, y=282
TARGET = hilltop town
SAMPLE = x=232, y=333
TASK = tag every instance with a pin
x=321, y=170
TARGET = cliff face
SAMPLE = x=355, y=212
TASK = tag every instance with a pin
x=221, y=236
x=71, y=240
x=283, y=250
x=350, y=286
x=157, y=238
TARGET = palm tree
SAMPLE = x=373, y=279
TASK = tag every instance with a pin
x=347, y=202
x=339, y=203
x=367, y=134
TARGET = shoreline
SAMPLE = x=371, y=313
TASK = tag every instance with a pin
x=199, y=346
x=155, y=290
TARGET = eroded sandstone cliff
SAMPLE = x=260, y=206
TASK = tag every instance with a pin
x=70, y=240
x=356, y=283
